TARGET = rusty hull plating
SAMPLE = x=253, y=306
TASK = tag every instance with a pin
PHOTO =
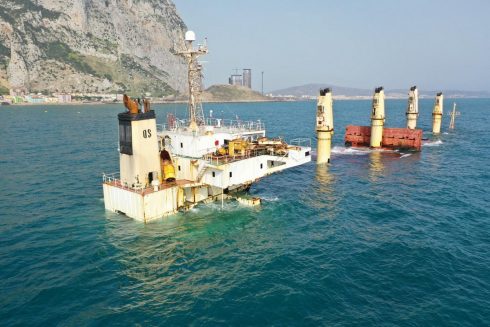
x=393, y=138
x=377, y=136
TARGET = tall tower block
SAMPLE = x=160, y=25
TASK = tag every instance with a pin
x=437, y=113
x=377, y=118
x=324, y=126
x=247, y=78
x=413, y=108
x=138, y=149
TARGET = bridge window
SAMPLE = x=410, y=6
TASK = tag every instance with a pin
x=125, y=138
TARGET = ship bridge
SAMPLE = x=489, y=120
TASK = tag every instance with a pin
x=208, y=137
x=214, y=125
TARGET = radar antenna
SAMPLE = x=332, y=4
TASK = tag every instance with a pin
x=194, y=68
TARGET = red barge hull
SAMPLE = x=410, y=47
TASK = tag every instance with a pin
x=393, y=138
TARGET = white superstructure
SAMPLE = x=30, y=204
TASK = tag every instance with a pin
x=229, y=154
x=199, y=159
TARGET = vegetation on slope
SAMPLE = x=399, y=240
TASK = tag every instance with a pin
x=230, y=93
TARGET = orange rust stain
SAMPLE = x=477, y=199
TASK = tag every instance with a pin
x=393, y=138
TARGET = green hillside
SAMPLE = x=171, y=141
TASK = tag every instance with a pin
x=231, y=93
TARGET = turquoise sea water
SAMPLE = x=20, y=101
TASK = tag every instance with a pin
x=373, y=239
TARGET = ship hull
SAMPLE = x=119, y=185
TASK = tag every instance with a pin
x=393, y=138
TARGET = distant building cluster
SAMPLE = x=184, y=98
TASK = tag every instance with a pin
x=245, y=79
x=23, y=96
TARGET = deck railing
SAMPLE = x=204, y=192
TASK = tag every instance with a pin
x=224, y=159
x=217, y=123
x=110, y=178
x=114, y=179
x=303, y=142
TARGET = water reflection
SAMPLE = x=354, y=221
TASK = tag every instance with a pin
x=382, y=164
x=323, y=196
x=324, y=177
x=190, y=256
x=376, y=166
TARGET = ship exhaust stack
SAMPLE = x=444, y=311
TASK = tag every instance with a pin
x=377, y=118
x=437, y=114
x=138, y=145
x=324, y=126
x=413, y=108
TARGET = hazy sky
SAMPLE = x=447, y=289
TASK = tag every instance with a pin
x=434, y=44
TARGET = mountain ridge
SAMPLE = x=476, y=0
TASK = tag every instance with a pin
x=97, y=46
x=311, y=90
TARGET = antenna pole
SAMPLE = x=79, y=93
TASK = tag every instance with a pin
x=194, y=74
x=262, y=83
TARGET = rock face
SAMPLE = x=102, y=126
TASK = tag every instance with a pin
x=91, y=46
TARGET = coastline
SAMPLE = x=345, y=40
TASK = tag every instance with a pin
x=272, y=100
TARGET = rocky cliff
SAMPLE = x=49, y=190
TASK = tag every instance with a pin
x=100, y=46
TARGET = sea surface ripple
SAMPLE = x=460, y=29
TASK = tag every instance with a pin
x=376, y=238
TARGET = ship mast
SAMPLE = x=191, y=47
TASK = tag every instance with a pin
x=194, y=68
x=453, y=115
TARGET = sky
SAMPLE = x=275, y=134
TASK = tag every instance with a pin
x=436, y=44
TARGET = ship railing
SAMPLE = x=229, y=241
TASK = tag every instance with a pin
x=110, y=178
x=161, y=128
x=301, y=142
x=179, y=124
x=115, y=180
x=235, y=124
x=225, y=159
x=212, y=160
x=208, y=150
x=217, y=160
x=217, y=123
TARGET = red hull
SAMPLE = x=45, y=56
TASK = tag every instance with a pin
x=393, y=138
